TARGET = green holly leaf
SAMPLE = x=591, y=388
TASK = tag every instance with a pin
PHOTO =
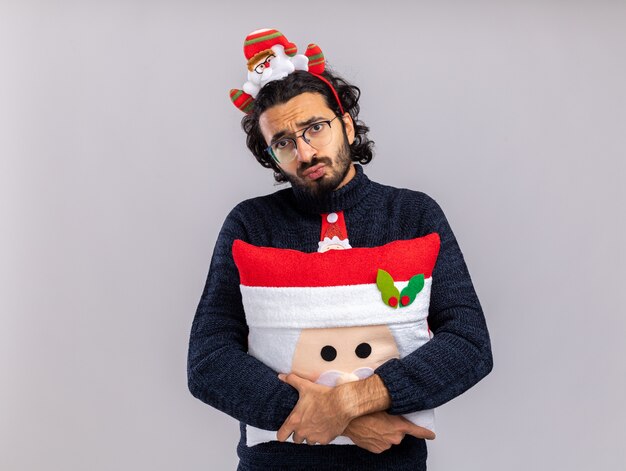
x=410, y=292
x=387, y=288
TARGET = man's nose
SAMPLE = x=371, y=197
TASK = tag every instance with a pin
x=305, y=151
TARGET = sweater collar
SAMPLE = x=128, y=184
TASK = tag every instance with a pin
x=343, y=198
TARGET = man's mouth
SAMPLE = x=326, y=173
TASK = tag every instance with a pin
x=314, y=172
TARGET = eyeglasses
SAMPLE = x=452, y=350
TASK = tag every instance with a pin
x=316, y=135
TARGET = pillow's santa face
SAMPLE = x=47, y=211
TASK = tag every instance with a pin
x=333, y=356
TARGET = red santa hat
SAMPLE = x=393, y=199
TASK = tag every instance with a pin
x=263, y=39
x=284, y=288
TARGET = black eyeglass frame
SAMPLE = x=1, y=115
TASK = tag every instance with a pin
x=269, y=150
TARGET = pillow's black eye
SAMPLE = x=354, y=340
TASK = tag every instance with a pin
x=363, y=350
x=328, y=353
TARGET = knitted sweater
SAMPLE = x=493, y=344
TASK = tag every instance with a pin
x=223, y=375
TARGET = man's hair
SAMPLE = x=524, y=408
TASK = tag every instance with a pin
x=280, y=91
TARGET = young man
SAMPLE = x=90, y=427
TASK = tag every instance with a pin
x=306, y=129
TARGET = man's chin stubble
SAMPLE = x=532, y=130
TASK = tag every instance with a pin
x=321, y=187
x=326, y=184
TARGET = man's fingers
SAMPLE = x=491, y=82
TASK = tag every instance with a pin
x=293, y=380
x=283, y=434
x=419, y=432
x=284, y=431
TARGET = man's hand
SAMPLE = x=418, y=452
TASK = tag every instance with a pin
x=378, y=431
x=321, y=414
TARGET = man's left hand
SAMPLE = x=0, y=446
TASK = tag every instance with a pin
x=321, y=414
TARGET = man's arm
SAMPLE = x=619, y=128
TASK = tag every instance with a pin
x=378, y=431
x=352, y=409
x=220, y=371
x=323, y=413
x=459, y=354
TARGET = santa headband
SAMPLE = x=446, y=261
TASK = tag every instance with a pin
x=270, y=56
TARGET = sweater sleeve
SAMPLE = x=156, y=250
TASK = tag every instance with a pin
x=220, y=372
x=459, y=354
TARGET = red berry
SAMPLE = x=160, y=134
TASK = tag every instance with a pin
x=393, y=301
x=405, y=300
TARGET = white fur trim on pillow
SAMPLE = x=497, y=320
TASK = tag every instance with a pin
x=332, y=306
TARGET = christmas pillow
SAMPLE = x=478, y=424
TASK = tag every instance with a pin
x=336, y=316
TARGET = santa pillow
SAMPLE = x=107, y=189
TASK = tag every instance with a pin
x=336, y=316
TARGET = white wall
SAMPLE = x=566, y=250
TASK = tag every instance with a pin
x=120, y=155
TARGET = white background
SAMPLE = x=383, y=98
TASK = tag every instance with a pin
x=121, y=154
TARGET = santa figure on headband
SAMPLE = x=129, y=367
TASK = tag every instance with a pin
x=270, y=56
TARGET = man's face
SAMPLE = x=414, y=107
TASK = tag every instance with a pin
x=317, y=171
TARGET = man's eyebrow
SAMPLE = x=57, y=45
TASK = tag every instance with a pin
x=300, y=124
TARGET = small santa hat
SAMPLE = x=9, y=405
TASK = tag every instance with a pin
x=263, y=39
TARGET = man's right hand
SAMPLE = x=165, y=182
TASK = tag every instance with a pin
x=376, y=432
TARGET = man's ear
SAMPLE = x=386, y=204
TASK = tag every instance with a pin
x=349, y=126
